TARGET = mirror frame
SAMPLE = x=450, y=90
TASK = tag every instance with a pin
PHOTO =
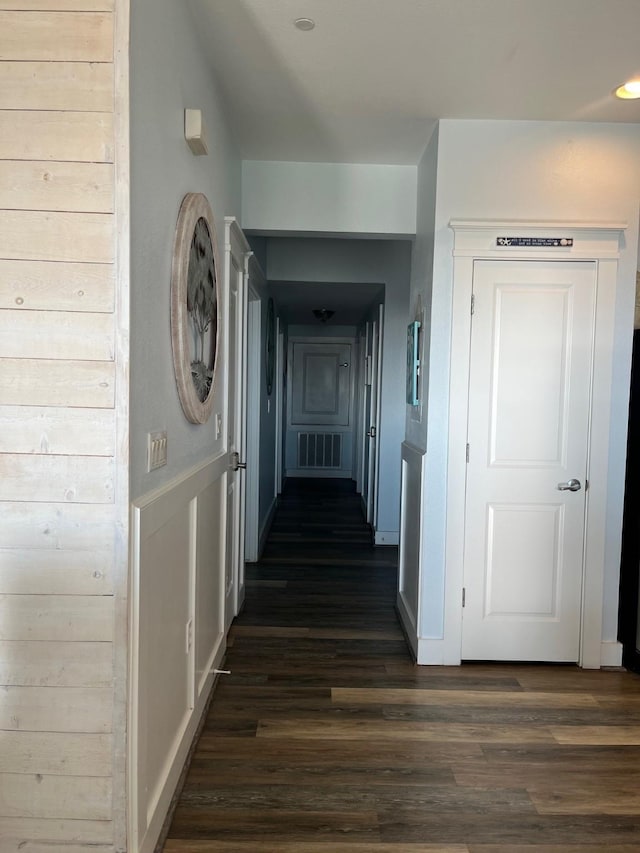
x=194, y=207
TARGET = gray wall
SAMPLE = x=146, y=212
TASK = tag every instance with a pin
x=168, y=74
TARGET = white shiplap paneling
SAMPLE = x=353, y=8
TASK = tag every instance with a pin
x=75, y=86
x=55, y=135
x=58, y=441
x=56, y=664
x=54, y=286
x=55, y=185
x=54, y=334
x=35, y=571
x=56, y=36
x=56, y=709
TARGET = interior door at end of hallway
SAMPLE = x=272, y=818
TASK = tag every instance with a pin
x=528, y=432
x=321, y=383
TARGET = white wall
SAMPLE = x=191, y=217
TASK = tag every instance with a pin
x=340, y=198
x=422, y=284
x=535, y=171
x=168, y=74
x=373, y=261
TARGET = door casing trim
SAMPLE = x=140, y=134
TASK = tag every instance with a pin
x=477, y=240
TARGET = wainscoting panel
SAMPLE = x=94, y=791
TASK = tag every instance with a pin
x=209, y=603
x=408, y=601
x=177, y=619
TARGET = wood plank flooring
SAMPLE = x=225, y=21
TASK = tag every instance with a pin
x=326, y=738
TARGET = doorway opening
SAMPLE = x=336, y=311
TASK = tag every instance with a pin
x=334, y=410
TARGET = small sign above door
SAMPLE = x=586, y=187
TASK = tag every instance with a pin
x=536, y=242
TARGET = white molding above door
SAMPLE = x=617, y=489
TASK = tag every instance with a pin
x=478, y=240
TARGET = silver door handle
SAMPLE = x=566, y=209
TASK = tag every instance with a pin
x=235, y=463
x=371, y=432
x=572, y=485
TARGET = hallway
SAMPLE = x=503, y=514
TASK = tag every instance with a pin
x=325, y=738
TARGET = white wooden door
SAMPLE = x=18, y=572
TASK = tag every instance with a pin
x=236, y=419
x=366, y=416
x=358, y=426
x=321, y=384
x=319, y=440
x=529, y=409
x=279, y=404
x=373, y=424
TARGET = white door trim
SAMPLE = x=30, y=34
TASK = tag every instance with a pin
x=279, y=404
x=476, y=240
x=236, y=250
x=378, y=421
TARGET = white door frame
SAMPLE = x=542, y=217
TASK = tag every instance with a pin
x=236, y=250
x=359, y=361
x=367, y=363
x=476, y=240
x=279, y=404
x=378, y=420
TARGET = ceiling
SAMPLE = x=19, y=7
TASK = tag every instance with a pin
x=296, y=301
x=369, y=82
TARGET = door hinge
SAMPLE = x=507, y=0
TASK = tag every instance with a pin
x=467, y=452
x=473, y=303
x=464, y=596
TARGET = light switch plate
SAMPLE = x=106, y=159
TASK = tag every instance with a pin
x=156, y=450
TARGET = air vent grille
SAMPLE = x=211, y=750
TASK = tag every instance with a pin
x=319, y=450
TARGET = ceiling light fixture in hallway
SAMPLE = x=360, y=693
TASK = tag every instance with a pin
x=323, y=314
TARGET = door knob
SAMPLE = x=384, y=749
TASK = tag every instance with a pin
x=572, y=485
x=235, y=462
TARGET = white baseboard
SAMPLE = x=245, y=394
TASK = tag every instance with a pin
x=408, y=624
x=431, y=652
x=387, y=537
x=611, y=653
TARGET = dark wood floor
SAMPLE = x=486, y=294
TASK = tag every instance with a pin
x=326, y=738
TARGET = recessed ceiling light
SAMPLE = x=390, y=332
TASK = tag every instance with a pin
x=305, y=24
x=629, y=90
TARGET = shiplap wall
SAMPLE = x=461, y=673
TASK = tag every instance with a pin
x=61, y=439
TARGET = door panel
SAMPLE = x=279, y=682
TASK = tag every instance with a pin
x=373, y=423
x=526, y=536
x=320, y=407
x=529, y=398
x=236, y=429
x=366, y=417
x=321, y=384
